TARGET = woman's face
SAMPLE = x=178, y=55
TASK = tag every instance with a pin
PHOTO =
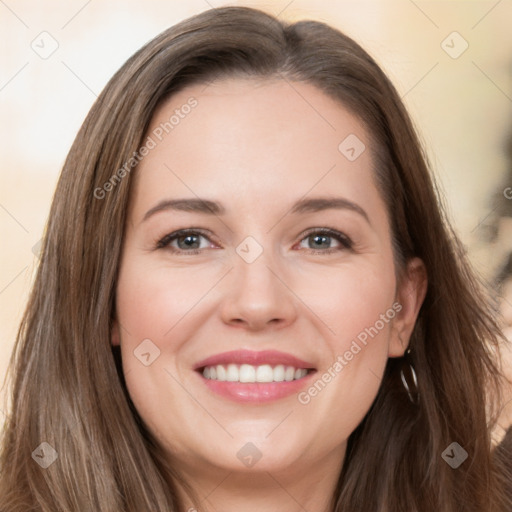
x=286, y=267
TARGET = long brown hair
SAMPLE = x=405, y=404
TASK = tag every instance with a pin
x=68, y=389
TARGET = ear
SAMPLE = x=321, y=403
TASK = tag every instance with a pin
x=114, y=334
x=411, y=292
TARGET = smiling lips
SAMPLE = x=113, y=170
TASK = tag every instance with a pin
x=249, y=376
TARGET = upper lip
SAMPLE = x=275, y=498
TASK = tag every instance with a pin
x=271, y=357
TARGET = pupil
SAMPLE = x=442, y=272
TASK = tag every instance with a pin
x=189, y=241
x=319, y=238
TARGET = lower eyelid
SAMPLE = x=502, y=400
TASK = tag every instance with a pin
x=341, y=246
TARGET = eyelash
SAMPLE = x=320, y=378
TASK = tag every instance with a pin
x=345, y=241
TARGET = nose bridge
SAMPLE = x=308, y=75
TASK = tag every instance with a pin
x=253, y=264
x=257, y=294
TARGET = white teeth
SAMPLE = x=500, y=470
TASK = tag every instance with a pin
x=249, y=373
x=264, y=373
x=279, y=373
x=289, y=374
x=232, y=374
x=221, y=373
x=298, y=374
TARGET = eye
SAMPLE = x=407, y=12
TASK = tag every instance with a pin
x=193, y=241
x=320, y=240
x=185, y=241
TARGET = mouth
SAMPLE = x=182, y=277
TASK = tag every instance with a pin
x=256, y=377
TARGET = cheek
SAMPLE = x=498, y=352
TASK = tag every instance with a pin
x=363, y=328
x=350, y=298
x=153, y=305
x=151, y=300
x=158, y=309
x=358, y=309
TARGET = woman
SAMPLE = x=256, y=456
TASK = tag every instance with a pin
x=191, y=343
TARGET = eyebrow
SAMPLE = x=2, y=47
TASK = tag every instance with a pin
x=205, y=206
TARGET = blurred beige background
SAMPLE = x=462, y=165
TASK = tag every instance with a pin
x=450, y=60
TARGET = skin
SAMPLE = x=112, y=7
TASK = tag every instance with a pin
x=257, y=146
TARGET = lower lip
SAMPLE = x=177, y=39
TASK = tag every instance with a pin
x=256, y=392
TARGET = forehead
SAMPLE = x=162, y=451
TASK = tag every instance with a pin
x=248, y=139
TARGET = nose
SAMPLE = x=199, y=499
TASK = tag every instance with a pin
x=258, y=296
